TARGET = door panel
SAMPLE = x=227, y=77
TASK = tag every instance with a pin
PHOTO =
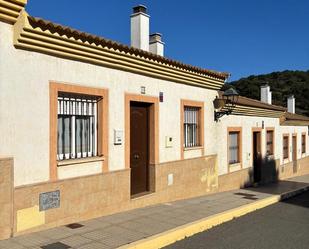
x=139, y=137
x=294, y=153
x=257, y=158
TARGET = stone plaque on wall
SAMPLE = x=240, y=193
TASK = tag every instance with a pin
x=49, y=200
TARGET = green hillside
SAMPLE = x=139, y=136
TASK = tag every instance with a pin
x=282, y=84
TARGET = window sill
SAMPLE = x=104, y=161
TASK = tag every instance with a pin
x=193, y=148
x=79, y=161
x=232, y=165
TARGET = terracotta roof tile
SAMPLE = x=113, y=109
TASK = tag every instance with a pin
x=256, y=103
x=83, y=36
x=292, y=116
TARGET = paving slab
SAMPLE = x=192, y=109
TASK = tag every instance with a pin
x=94, y=245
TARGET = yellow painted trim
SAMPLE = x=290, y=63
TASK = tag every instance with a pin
x=112, y=60
x=16, y=2
x=23, y=2
x=181, y=232
x=10, y=10
x=26, y=37
x=111, y=65
x=29, y=217
x=56, y=40
x=294, y=123
x=7, y=18
x=255, y=111
x=57, y=37
x=10, y=5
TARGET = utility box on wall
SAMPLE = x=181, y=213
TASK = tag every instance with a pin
x=170, y=179
x=118, y=137
x=168, y=142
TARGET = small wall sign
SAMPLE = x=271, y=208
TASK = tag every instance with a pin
x=161, y=96
x=49, y=200
x=143, y=90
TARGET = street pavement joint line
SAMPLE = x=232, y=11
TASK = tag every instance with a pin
x=171, y=236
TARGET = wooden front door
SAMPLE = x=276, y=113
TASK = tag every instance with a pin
x=294, y=153
x=139, y=144
x=257, y=157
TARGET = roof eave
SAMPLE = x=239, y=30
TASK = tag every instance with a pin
x=27, y=36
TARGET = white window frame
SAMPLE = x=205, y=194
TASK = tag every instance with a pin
x=78, y=107
x=191, y=126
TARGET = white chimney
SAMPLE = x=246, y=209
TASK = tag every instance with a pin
x=266, y=94
x=291, y=104
x=140, y=28
x=156, y=45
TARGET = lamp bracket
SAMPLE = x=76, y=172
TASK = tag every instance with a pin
x=220, y=114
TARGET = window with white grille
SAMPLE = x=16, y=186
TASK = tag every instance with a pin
x=191, y=127
x=234, y=147
x=77, y=127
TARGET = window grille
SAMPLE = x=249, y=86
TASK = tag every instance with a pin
x=303, y=144
x=285, y=147
x=234, y=147
x=191, y=127
x=270, y=142
x=77, y=126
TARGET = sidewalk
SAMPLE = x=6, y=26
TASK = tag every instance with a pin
x=162, y=224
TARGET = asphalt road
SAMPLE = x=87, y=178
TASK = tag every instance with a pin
x=282, y=225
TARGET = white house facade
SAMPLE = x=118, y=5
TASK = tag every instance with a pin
x=90, y=127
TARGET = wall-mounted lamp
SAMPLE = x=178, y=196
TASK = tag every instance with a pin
x=226, y=104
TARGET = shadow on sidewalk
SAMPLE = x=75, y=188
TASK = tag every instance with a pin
x=264, y=178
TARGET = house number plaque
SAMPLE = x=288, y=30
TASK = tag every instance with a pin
x=49, y=200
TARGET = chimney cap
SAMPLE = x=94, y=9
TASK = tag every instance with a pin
x=140, y=9
x=264, y=85
x=291, y=96
x=155, y=37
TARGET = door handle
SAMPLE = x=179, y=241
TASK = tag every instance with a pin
x=136, y=156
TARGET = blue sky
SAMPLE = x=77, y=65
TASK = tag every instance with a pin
x=242, y=37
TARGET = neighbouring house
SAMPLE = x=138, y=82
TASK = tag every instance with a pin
x=90, y=127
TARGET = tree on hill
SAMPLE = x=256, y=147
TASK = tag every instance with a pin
x=282, y=84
